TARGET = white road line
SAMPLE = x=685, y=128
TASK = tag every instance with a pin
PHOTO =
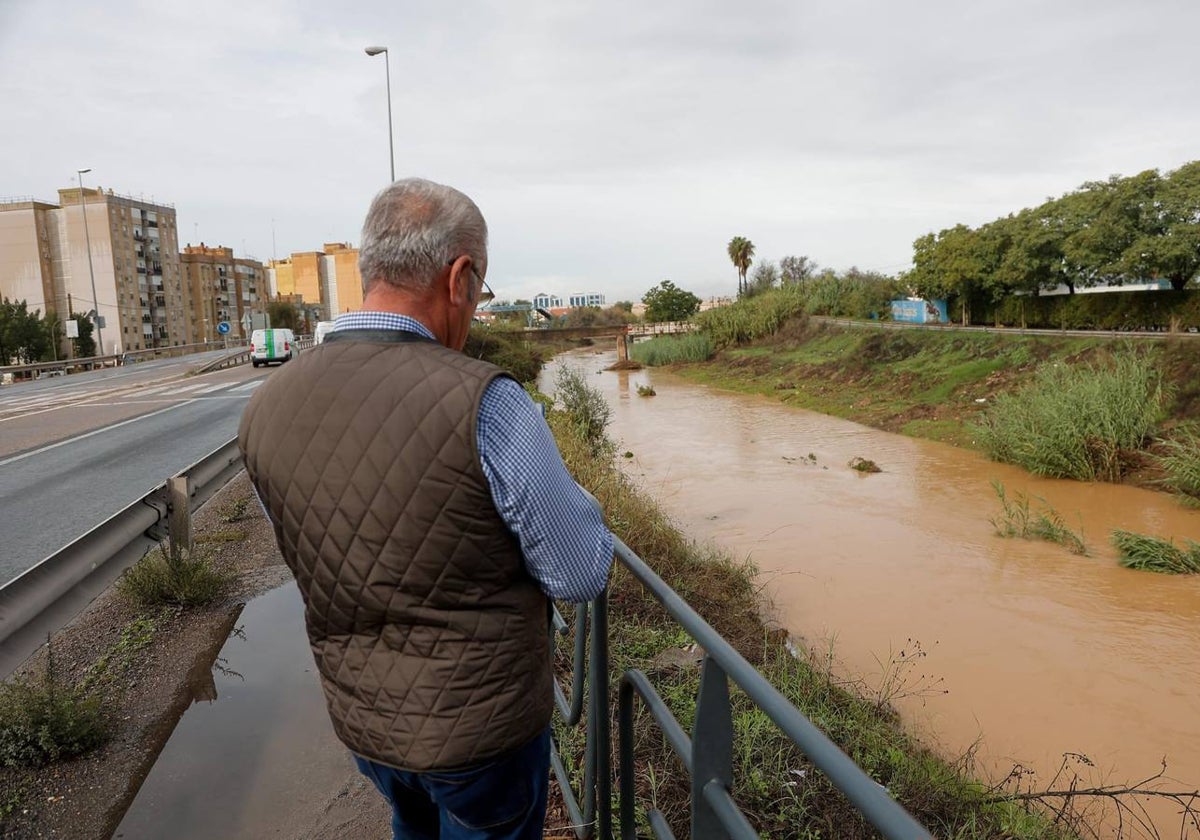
x=92, y=433
x=186, y=388
x=211, y=388
x=249, y=386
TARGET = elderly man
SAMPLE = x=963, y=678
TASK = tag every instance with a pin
x=421, y=503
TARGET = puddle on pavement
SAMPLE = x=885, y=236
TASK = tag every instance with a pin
x=255, y=742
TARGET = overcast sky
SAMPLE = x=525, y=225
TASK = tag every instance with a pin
x=610, y=144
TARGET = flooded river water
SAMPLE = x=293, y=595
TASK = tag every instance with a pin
x=1039, y=652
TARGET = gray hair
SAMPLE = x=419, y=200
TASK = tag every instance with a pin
x=414, y=229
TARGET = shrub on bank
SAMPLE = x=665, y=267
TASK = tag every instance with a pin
x=1082, y=422
x=43, y=720
x=670, y=350
x=1153, y=554
x=507, y=349
x=191, y=581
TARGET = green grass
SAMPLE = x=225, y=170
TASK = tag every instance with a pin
x=752, y=318
x=1180, y=463
x=670, y=350
x=188, y=582
x=1153, y=554
x=781, y=792
x=1082, y=422
x=43, y=719
x=1016, y=519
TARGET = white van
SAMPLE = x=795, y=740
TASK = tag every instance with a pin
x=268, y=346
x=324, y=328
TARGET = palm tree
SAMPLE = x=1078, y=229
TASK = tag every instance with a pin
x=741, y=253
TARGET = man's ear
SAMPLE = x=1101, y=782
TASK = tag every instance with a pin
x=461, y=288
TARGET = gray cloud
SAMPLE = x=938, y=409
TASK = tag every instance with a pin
x=612, y=144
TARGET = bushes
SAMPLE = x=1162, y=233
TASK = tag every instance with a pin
x=1080, y=422
x=43, y=720
x=585, y=406
x=187, y=582
x=669, y=350
x=507, y=350
x=1117, y=310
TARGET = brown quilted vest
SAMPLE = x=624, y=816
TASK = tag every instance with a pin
x=429, y=634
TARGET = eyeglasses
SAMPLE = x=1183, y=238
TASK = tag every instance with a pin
x=486, y=295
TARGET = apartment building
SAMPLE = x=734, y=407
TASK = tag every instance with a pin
x=133, y=250
x=588, y=299
x=220, y=287
x=328, y=278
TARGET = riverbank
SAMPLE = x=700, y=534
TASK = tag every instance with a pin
x=921, y=383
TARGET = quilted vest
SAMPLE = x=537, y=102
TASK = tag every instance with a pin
x=430, y=636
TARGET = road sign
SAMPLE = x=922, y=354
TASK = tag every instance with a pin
x=72, y=328
x=223, y=328
x=246, y=323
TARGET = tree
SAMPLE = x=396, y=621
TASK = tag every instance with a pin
x=85, y=345
x=766, y=276
x=24, y=335
x=741, y=253
x=1169, y=244
x=283, y=316
x=667, y=302
x=794, y=270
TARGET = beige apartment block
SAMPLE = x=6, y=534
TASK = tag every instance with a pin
x=133, y=254
x=220, y=287
x=328, y=278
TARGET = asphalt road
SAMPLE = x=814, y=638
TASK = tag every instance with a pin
x=75, y=450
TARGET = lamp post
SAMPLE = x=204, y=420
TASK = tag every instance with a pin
x=388, y=73
x=91, y=271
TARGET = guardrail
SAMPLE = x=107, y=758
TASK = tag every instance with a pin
x=904, y=325
x=45, y=598
x=132, y=357
x=707, y=756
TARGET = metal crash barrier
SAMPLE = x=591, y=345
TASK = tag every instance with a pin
x=46, y=597
x=707, y=756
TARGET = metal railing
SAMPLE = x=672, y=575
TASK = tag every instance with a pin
x=707, y=756
x=983, y=328
x=46, y=597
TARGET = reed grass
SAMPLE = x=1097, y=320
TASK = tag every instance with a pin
x=1016, y=519
x=1080, y=422
x=752, y=318
x=1180, y=463
x=670, y=350
x=1154, y=554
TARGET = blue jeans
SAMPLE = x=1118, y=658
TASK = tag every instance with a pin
x=504, y=799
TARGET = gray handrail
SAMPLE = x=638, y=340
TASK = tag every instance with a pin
x=707, y=755
x=47, y=596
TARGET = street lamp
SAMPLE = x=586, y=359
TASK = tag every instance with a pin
x=388, y=72
x=91, y=271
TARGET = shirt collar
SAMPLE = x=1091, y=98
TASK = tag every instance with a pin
x=381, y=321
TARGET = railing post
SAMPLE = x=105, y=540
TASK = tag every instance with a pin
x=599, y=715
x=712, y=748
x=179, y=518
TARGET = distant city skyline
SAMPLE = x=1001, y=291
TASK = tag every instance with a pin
x=610, y=146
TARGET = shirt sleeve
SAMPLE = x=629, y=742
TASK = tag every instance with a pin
x=562, y=535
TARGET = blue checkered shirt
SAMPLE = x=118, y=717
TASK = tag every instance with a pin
x=567, y=548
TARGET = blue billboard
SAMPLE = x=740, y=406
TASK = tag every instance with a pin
x=920, y=311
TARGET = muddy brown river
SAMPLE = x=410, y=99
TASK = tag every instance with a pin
x=1031, y=652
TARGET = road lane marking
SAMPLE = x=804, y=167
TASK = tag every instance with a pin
x=93, y=433
x=249, y=386
x=212, y=388
x=186, y=388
